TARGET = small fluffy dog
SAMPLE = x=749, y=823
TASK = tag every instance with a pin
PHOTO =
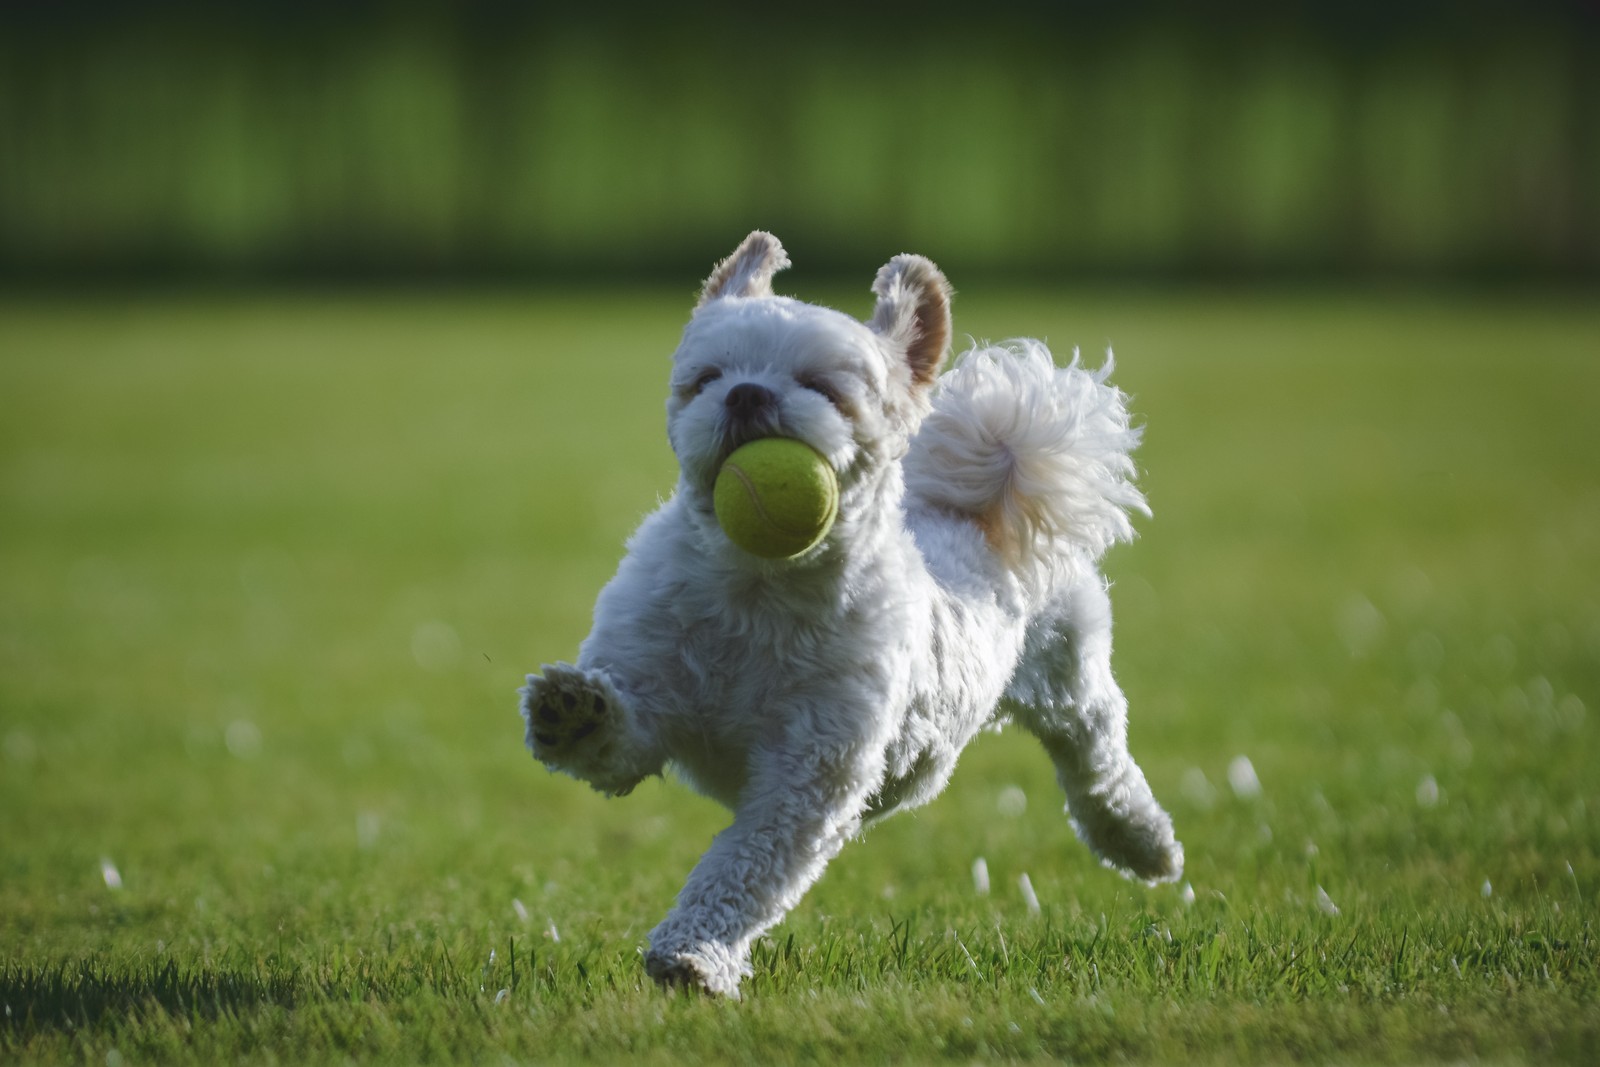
x=957, y=590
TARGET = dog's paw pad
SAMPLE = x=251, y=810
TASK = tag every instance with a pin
x=562, y=708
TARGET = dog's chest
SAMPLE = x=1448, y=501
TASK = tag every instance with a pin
x=759, y=641
x=758, y=659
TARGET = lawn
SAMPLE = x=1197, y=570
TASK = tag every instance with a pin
x=272, y=566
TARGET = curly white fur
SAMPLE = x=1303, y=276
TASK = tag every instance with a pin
x=1038, y=454
x=957, y=589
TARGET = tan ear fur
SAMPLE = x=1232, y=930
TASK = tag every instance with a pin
x=914, y=312
x=749, y=271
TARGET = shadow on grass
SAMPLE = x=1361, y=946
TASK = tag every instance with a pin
x=67, y=997
x=71, y=996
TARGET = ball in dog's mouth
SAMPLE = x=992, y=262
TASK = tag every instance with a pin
x=776, y=497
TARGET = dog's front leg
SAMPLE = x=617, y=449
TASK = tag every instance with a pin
x=794, y=815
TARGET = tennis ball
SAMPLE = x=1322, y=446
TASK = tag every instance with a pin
x=776, y=497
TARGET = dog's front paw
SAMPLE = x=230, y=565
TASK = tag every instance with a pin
x=561, y=708
x=709, y=968
x=570, y=715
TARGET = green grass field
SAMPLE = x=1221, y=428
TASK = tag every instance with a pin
x=272, y=567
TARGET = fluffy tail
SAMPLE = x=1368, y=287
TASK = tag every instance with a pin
x=1037, y=455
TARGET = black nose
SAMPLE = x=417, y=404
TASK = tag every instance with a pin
x=748, y=399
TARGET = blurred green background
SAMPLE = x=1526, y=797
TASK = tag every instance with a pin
x=471, y=140
x=332, y=359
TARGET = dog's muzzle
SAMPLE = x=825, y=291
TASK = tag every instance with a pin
x=750, y=412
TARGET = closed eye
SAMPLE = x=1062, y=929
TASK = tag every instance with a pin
x=822, y=387
x=701, y=380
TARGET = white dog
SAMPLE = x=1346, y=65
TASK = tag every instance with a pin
x=957, y=590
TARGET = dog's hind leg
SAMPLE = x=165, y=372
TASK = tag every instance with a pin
x=1064, y=693
x=581, y=724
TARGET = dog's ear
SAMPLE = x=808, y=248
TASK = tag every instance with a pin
x=913, y=313
x=749, y=271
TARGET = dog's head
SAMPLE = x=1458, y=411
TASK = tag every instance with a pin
x=754, y=365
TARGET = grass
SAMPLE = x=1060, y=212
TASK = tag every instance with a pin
x=271, y=567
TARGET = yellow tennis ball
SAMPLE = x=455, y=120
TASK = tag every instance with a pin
x=776, y=497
